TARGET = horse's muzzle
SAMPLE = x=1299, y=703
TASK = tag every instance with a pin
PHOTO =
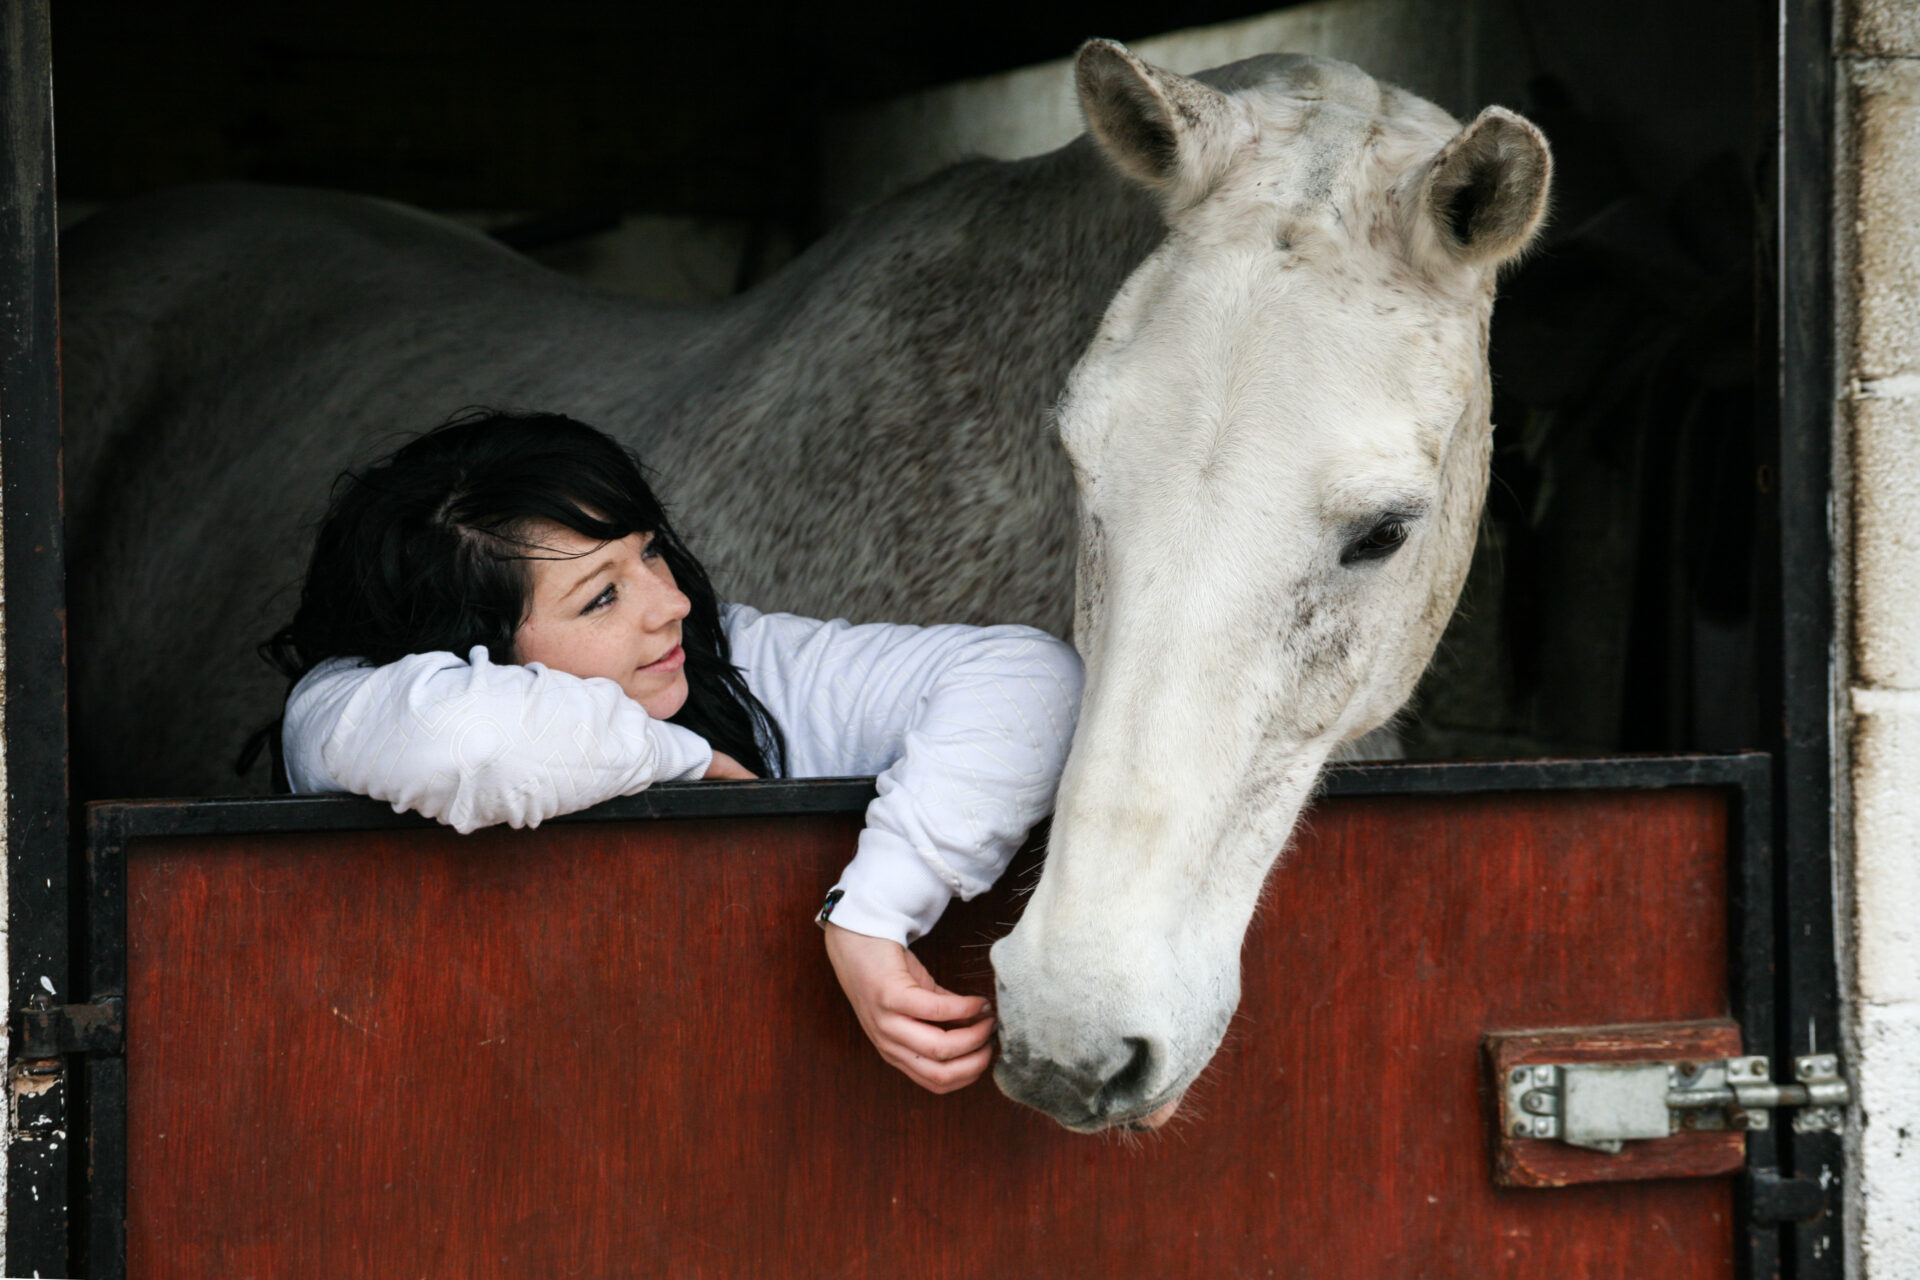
x=1085, y=1096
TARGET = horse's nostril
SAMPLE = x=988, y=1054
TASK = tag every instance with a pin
x=1129, y=1084
x=1085, y=1094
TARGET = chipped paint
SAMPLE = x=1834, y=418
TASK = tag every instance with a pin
x=33, y=1084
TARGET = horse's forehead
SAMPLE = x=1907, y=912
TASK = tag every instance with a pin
x=1331, y=131
x=1285, y=80
x=1334, y=147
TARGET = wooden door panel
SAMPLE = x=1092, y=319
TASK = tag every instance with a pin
x=616, y=1048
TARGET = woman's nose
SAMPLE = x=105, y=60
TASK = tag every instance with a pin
x=666, y=605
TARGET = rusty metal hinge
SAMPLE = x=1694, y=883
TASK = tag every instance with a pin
x=47, y=1030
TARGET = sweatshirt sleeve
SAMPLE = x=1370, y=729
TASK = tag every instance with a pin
x=967, y=729
x=472, y=744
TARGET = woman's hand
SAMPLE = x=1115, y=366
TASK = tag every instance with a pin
x=942, y=1041
x=725, y=766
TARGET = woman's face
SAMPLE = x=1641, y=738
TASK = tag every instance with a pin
x=607, y=609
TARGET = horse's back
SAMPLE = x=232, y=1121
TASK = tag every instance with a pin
x=177, y=305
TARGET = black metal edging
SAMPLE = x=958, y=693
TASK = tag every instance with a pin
x=100, y=1227
x=138, y=819
x=39, y=1166
x=1751, y=986
x=1598, y=773
x=1808, y=986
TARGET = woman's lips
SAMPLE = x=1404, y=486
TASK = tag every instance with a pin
x=672, y=660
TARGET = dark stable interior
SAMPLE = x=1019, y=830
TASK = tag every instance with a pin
x=1625, y=594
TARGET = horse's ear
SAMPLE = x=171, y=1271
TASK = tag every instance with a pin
x=1163, y=130
x=1486, y=194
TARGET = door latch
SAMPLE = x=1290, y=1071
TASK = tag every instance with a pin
x=1601, y=1105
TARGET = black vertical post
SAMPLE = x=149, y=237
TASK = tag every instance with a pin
x=1808, y=980
x=1750, y=886
x=39, y=1162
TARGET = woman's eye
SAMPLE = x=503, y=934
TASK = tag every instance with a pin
x=1386, y=537
x=601, y=601
x=652, y=550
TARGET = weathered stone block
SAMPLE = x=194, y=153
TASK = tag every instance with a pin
x=1881, y=27
x=1887, y=1087
x=1886, y=541
x=1882, y=100
x=1886, y=840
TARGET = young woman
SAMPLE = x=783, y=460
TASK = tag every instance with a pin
x=499, y=625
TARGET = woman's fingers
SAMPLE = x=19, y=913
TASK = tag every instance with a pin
x=936, y=1043
x=942, y=1077
x=725, y=766
x=933, y=1005
x=901, y=1008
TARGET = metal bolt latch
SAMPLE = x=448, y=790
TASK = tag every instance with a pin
x=1600, y=1105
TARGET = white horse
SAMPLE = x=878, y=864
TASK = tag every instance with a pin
x=1281, y=439
x=1278, y=432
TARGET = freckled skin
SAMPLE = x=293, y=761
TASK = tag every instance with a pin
x=608, y=610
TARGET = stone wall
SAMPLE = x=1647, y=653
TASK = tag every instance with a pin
x=1877, y=496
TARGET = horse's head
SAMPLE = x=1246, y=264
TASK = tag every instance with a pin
x=1280, y=435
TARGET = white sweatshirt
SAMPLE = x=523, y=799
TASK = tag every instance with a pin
x=967, y=728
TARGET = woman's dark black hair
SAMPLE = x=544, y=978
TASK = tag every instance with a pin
x=427, y=550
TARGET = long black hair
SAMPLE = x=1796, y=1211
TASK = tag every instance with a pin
x=427, y=550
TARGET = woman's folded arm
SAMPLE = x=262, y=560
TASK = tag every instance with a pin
x=472, y=743
x=966, y=727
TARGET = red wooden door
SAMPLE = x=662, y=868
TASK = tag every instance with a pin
x=615, y=1048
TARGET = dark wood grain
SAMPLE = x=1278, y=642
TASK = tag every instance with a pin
x=1528, y=1162
x=617, y=1049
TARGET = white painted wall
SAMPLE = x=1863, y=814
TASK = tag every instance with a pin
x=1877, y=511
x=1427, y=46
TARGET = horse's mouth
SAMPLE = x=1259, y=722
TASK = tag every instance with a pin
x=1049, y=1091
x=1142, y=1119
x=1155, y=1118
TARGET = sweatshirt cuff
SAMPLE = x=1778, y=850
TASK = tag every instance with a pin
x=680, y=754
x=887, y=891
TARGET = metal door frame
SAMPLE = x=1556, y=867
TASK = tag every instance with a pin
x=40, y=910
x=1808, y=979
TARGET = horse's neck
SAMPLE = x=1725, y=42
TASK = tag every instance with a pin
x=907, y=367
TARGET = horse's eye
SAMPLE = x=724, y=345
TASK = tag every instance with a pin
x=1387, y=536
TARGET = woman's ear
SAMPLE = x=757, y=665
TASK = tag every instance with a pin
x=1164, y=131
x=1486, y=194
